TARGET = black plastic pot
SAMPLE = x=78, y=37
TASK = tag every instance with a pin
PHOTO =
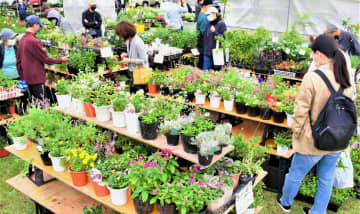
x=189, y=97
x=218, y=152
x=244, y=180
x=253, y=111
x=166, y=209
x=279, y=117
x=172, y=140
x=265, y=113
x=174, y=91
x=241, y=108
x=45, y=159
x=164, y=91
x=188, y=147
x=119, y=150
x=143, y=207
x=72, y=70
x=149, y=131
x=203, y=211
x=205, y=160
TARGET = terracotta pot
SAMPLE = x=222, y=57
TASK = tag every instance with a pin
x=79, y=178
x=89, y=110
x=3, y=153
x=100, y=188
x=236, y=180
x=12, y=109
x=152, y=89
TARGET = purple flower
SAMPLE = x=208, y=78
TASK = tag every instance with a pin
x=154, y=191
x=195, y=169
x=260, y=80
x=191, y=181
x=192, y=175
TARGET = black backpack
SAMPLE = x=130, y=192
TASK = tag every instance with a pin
x=336, y=122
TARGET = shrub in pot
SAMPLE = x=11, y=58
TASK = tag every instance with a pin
x=250, y=167
x=44, y=152
x=227, y=94
x=187, y=135
x=16, y=130
x=80, y=161
x=132, y=111
x=283, y=141
x=163, y=196
x=240, y=104
x=225, y=184
x=265, y=111
x=149, y=125
x=63, y=93
x=57, y=149
x=3, y=144
x=102, y=103
x=118, y=185
x=200, y=97
x=289, y=110
x=252, y=102
x=223, y=136
x=118, y=114
x=171, y=130
x=207, y=145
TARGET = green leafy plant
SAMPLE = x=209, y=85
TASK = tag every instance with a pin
x=118, y=180
x=63, y=87
x=84, y=60
x=93, y=210
x=148, y=117
x=119, y=103
x=283, y=139
x=3, y=142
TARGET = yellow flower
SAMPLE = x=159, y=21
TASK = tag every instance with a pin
x=113, y=171
x=68, y=158
x=47, y=138
x=81, y=156
x=79, y=149
x=118, y=178
x=94, y=157
x=61, y=142
x=85, y=162
x=67, y=151
x=92, y=164
x=67, y=141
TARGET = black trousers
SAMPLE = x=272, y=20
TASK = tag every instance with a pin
x=38, y=91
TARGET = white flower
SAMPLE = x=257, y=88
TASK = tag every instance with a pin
x=302, y=52
x=287, y=51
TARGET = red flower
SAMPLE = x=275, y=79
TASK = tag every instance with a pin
x=270, y=98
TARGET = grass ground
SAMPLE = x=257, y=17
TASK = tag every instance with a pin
x=13, y=202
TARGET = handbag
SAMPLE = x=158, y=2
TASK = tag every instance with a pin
x=218, y=55
x=141, y=75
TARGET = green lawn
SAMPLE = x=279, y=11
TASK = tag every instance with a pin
x=13, y=202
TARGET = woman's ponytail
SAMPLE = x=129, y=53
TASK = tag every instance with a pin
x=340, y=69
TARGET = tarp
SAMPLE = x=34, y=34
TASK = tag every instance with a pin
x=279, y=15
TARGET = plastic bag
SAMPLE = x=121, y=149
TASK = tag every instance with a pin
x=344, y=172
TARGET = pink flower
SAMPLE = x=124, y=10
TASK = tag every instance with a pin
x=154, y=191
x=183, y=85
x=162, y=162
x=191, y=181
x=140, y=158
x=201, y=184
x=154, y=155
x=147, y=112
x=229, y=160
x=192, y=175
x=161, y=169
x=180, y=184
x=355, y=145
x=187, y=200
x=197, y=117
x=195, y=169
x=199, y=112
x=167, y=151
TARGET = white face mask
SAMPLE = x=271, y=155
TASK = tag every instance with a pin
x=54, y=21
x=211, y=18
x=11, y=42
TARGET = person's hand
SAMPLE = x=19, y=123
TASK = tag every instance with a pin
x=123, y=55
x=96, y=22
x=212, y=29
x=126, y=60
x=86, y=21
x=65, y=59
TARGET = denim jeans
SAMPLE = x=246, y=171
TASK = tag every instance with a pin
x=300, y=167
x=208, y=63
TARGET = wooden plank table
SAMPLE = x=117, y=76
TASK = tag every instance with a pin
x=49, y=68
x=32, y=156
x=159, y=142
x=5, y=120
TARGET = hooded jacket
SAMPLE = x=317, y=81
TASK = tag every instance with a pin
x=61, y=21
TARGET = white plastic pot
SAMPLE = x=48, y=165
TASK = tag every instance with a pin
x=18, y=143
x=132, y=123
x=119, y=196
x=200, y=99
x=228, y=105
x=102, y=113
x=289, y=119
x=64, y=101
x=118, y=119
x=78, y=106
x=282, y=150
x=58, y=163
x=215, y=102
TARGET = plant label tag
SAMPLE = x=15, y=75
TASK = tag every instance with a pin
x=244, y=198
x=106, y=52
x=195, y=52
x=159, y=59
x=249, y=211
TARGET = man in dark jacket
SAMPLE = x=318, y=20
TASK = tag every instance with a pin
x=91, y=20
x=347, y=40
x=31, y=58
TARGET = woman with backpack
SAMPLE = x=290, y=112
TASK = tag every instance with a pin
x=311, y=100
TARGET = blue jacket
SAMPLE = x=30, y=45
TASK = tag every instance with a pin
x=2, y=53
x=209, y=37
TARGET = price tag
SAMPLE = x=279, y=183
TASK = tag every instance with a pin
x=106, y=52
x=195, y=52
x=244, y=198
x=159, y=59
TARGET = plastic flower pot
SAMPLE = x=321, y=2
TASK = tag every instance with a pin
x=78, y=106
x=265, y=113
x=241, y=108
x=64, y=101
x=132, y=122
x=100, y=188
x=149, y=131
x=172, y=140
x=45, y=159
x=215, y=102
x=164, y=91
x=79, y=179
x=253, y=111
x=244, y=180
x=102, y=113
x=89, y=110
x=152, y=88
x=200, y=99
x=205, y=160
x=236, y=178
x=279, y=117
x=189, y=148
x=143, y=207
x=289, y=119
x=18, y=144
x=119, y=196
x=189, y=97
x=3, y=153
x=58, y=163
x=166, y=209
x=282, y=150
x=203, y=211
x=12, y=110
x=118, y=119
x=174, y=91
x=228, y=105
x=218, y=152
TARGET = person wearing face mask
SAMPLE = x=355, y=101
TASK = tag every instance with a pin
x=201, y=23
x=215, y=27
x=92, y=21
x=347, y=40
x=31, y=58
x=8, y=49
x=59, y=21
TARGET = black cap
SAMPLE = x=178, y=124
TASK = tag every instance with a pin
x=207, y=2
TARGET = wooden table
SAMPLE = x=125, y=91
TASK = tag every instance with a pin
x=159, y=142
x=4, y=119
x=49, y=68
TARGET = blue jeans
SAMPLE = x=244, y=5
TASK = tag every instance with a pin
x=300, y=167
x=208, y=63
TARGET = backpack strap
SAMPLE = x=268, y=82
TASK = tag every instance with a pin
x=326, y=80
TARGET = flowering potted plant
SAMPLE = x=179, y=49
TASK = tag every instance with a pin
x=264, y=110
x=188, y=133
x=171, y=130
x=227, y=94
x=102, y=103
x=240, y=104
x=215, y=100
x=118, y=114
x=164, y=197
x=80, y=161
x=279, y=114
x=253, y=105
x=16, y=131
x=188, y=88
x=132, y=111
x=57, y=148
x=148, y=125
x=77, y=104
x=283, y=141
x=201, y=93
x=63, y=93
x=207, y=145
x=118, y=186
x=3, y=143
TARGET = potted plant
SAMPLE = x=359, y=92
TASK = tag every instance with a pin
x=264, y=110
x=118, y=114
x=132, y=111
x=88, y=99
x=148, y=125
x=57, y=153
x=224, y=183
x=118, y=186
x=200, y=97
x=189, y=89
x=279, y=114
x=171, y=130
x=207, y=145
x=152, y=84
x=77, y=104
x=80, y=161
x=227, y=95
x=123, y=79
x=102, y=103
x=3, y=144
x=240, y=104
x=164, y=199
x=16, y=131
x=223, y=136
x=283, y=141
x=215, y=100
x=63, y=93
x=93, y=210
x=187, y=135
x=252, y=103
